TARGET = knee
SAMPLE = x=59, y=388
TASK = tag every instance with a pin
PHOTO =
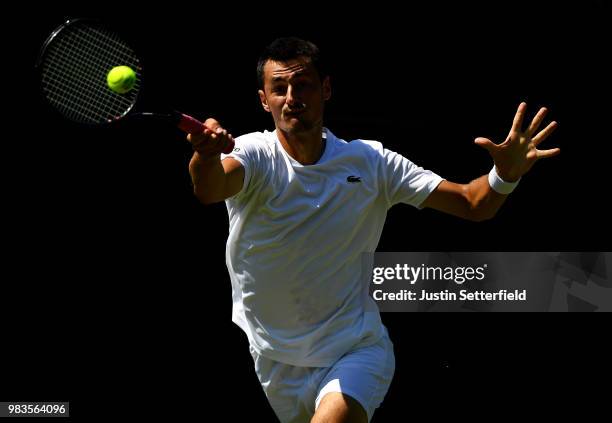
x=336, y=407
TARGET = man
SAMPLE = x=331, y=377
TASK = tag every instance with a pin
x=303, y=205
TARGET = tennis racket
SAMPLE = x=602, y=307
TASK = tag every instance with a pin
x=73, y=65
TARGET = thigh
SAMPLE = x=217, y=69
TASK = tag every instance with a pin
x=364, y=374
x=289, y=389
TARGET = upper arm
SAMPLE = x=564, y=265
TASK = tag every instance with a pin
x=450, y=198
x=234, y=177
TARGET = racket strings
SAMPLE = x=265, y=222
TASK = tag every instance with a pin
x=116, y=57
x=76, y=67
x=86, y=61
x=61, y=81
x=74, y=71
x=70, y=80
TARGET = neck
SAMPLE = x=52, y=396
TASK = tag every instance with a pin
x=305, y=147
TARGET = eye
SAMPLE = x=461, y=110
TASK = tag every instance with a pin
x=303, y=85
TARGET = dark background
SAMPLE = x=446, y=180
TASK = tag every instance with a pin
x=115, y=291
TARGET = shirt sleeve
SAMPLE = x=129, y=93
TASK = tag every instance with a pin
x=405, y=182
x=248, y=152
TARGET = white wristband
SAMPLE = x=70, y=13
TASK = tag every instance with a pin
x=499, y=185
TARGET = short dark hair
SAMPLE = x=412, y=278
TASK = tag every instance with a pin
x=287, y=48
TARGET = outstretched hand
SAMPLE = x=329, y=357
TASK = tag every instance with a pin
x=518, y=153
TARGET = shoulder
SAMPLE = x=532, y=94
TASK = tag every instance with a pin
x=366, y=151
x=255, y=140
x=367, y=146
x=252, y=146
x=358, y=146
x=372, y=150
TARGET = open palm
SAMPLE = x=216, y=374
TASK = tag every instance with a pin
x=518, y=153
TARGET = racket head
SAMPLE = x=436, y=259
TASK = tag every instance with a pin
x=73, y=65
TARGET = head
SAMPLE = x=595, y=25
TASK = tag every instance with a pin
x=293, y=84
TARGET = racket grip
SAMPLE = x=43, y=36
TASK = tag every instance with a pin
x=191, y=125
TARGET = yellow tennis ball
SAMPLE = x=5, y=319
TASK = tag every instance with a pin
x=121, y=79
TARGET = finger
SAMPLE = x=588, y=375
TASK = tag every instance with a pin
x=537, y=121
x=230, y=141
x=518, y=117
x=206, y=145
x=486, y=143
x=197, y=139
x=212, y=124
x=544, y=133
x=211, y=148
x=226, y=139
x=223, y=141
x=544, y=154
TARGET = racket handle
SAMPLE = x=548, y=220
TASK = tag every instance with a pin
x=191, y=125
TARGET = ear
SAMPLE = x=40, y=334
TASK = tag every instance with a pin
x=326, y=88
x=264, y=101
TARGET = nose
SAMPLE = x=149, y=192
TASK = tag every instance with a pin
x=293, y=101
x=290, y=99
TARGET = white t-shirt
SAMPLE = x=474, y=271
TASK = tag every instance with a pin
x=296, y=234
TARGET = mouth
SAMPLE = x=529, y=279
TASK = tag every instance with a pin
x=294, y=113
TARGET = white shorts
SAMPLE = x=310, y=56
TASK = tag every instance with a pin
x=364, y=373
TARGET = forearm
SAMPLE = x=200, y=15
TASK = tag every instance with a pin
x=483, y=201
x=208, y=178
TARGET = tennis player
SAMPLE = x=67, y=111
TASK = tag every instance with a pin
x=303, y=205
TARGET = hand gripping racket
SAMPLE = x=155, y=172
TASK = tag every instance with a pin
x=73, y=66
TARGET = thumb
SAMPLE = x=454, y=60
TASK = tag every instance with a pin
x=485, y=143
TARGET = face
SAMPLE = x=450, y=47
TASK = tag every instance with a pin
x=294, y=94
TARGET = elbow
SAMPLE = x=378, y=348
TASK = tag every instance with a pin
x=477, y=214
x=204, y=197
x=480, y=217
x=479, y=210
x=477, y=207
x=205, y=201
